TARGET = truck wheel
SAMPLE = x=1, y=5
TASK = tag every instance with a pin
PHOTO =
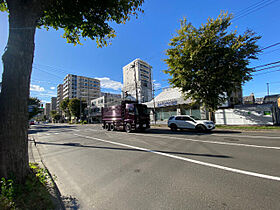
x=112, y=127
x=108, y=127
x=128, y=128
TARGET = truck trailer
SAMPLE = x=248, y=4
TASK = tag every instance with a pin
x=128, y=116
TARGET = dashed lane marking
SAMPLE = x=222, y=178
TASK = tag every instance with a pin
x=249, y=173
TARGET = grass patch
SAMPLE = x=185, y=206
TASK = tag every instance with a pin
x=33, y=194
x=267, y=127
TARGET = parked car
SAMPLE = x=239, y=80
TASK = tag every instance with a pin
x=31, y=122
x=189, y=122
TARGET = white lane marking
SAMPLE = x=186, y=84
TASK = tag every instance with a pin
x=243, y=136
x=210, y=142
x=48, y=134
x=264, y=176
x=56, y=133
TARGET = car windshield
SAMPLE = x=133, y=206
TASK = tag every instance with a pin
x=195, y=118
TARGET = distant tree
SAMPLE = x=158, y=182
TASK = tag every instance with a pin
x=76, y=107
x=64, y=107
x=209, y=62
x=34, y=107
x=79, y=19
x=55, y=116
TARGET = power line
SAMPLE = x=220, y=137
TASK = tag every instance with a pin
x=273, y=45
x=271, y=67
x=266, y=72
x=258, y=7
x=268, y=64
x=245, y=10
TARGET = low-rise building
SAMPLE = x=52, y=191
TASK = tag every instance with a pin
x=170, y=102
x=107, y=99
x=271, y=99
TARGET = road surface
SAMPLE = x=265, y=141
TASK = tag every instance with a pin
x=161, y=169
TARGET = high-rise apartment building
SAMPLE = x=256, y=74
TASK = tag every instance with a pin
x=84, y=88
x=47, y=110
x=59, y=97
x=137, y=80
x=53, y=103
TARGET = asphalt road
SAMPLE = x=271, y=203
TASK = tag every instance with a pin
x=161, y=169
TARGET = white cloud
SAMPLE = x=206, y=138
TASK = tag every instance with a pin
x=52, y=88
x=36, y=88
x=110, y=84
x=156, y=85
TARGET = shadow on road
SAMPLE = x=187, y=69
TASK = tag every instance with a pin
x=45, y=128
x=132, y=150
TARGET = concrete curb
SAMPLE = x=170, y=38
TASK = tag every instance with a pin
x=35, y=157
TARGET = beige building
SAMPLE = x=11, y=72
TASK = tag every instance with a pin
x=53, y=103
x=47, y=110
x=59, y=97
x=137, y=80
x=84, y=88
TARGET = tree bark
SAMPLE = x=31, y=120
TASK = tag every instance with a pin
x=17, y=63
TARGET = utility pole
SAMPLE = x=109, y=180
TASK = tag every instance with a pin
x=155, y=120
x=133, y=66
x=80, y=109
x=267, y=88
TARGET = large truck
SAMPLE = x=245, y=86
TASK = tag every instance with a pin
x=128, y=116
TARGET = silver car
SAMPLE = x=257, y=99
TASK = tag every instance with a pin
x=189, y=122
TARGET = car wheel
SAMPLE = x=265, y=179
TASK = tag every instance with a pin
x=173, y=127
x=128, y=128
x=201, y=128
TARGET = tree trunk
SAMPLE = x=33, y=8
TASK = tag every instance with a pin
x=17, y=62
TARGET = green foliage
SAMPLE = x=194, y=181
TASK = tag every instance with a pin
x=76, y=106
x=55, y=115
x=64, y=106
x=34, y=104
x=6, y=194
x=3, y=6
x=33, y=194
x=81, y=18
x=209, y=62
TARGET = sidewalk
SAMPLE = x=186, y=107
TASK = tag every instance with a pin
x=35, y=157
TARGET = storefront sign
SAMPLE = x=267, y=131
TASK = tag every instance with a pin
x=167, y=103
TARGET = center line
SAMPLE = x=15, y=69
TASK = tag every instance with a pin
x=264, y=176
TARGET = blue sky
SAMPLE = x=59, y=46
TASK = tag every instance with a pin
x=147, y=38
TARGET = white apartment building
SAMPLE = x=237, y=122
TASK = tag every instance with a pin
x=137, y=80
x=84, y=88
x=59, y=97
x=107, y=99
